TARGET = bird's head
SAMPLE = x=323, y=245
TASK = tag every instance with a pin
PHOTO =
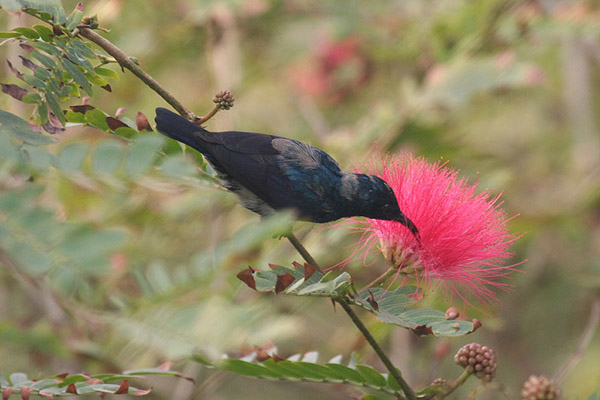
x=379, y=202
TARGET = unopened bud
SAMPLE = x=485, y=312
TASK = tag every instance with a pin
x=479, y=360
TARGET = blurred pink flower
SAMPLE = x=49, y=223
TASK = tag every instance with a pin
x=464, y=238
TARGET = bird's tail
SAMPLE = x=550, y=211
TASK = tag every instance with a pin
x=176, y=127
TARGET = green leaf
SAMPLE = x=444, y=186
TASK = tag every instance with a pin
x=75, y=117
x=48, y=48
x=9, y=34
x=31, y=98
x=54, y=104
x=83, y=49
x=371, y=376
x=19, y=378
x=107, y=157
x=71, y=156
x=247, y=368
x=27, y=32
x=142, y=153
x=44, y=32
x=97, y=119
x=77, y=75
x=20, y=129
x=74, y=19
x=33, y=81
x=43, y=59
x=109, y=73
x=294, y=370
x=52, y=7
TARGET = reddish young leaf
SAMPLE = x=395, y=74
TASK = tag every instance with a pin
x=27, y=47
x=79, y=6
x=14, y=91
x=107, y=88
x=247, y=276
x=309, y=270
x=166, y=366
x=25, y=392
x=142, y=122
x=272, y=266
x=124, y=388
x=476, y=325
x=63, y=375
x=114, y=123
x=141, y=392
x=83, y=108
x=371, y=300
x=34, y=127
x=276, y=358
x=423, y=330
x=46, y=394
x=283, y=281
x=27, y=63
x=71, y=389
x=6, y=393
x=55, y=121
x=52, y=129
x=14, y=70
x=296, y=264
x=262, y=355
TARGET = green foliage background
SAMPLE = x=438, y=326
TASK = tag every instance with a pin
x=142, y=249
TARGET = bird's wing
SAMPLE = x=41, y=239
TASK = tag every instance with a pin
x=251, y=160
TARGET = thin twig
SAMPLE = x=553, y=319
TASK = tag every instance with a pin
x=584, y=341
x=455, y=385
x=380, y=279
x=303, y=252
x=126, y=62
x=410, y=394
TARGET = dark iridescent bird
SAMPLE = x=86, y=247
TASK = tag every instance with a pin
x=271, y=173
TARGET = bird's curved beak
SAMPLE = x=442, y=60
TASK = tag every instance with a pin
x=404, y=220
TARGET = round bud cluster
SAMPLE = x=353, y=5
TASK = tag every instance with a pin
x=539, y=388
x=479, y=360
x=224, y=100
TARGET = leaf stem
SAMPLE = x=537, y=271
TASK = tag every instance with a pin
x=126, y=62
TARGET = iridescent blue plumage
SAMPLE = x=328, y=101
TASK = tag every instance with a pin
x=272, y=173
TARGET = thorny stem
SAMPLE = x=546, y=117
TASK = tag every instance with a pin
x=408, y=391
x=126, y=62
x=584, y=341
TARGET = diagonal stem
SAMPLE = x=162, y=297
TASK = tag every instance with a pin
x=408, y=391
x=303, y=252
x=126, y=62
x=584, y=341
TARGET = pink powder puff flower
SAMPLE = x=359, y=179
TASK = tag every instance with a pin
x=464, y=238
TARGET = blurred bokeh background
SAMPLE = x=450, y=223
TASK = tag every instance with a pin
x=507, y=92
